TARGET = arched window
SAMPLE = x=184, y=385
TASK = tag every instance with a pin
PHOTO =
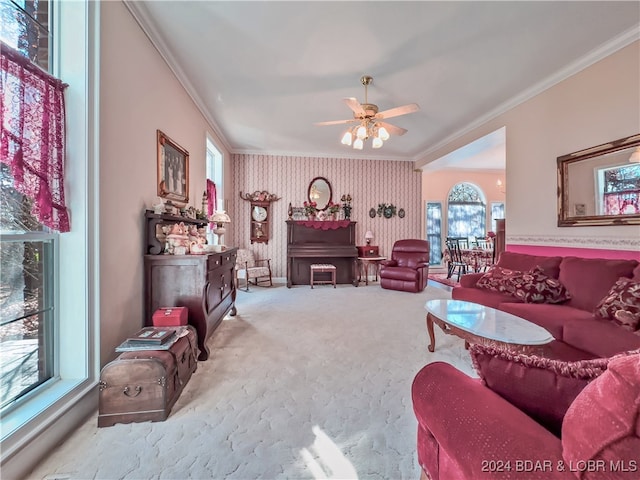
x=466, y=211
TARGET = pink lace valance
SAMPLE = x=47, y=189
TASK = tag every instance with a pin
x=32, y=135
x=324, y=225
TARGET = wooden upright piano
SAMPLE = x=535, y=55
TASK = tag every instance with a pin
x=321, y=242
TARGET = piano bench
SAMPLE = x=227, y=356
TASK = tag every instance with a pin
x=323, y=268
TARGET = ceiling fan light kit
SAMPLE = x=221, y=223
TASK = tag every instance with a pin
x=369, y=121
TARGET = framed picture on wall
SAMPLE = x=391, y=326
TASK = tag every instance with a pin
x=173, y=170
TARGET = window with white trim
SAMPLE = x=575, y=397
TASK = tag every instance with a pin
x=27, y=248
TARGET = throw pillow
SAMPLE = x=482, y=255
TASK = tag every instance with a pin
x=535, y=286
x=541, y=387
x=602, y=425
x=622, y=304
x=498, y=279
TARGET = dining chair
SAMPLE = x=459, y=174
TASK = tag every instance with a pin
x=456, y=262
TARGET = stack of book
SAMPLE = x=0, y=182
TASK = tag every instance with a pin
x=149, y=338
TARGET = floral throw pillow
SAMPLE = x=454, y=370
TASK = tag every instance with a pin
x=498, y=279
x=536, y=287
x=529, y=287
x=622, y=304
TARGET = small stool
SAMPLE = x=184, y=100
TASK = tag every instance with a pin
x=323, y=268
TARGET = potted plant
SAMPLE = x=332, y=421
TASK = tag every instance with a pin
x=310, y=209
x=333, y=209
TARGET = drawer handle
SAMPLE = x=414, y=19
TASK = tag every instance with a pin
x=126, y=391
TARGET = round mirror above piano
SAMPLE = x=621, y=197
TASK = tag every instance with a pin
x=320, y=192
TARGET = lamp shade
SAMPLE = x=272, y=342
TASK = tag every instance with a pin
x=220, y=217
x=368, y=235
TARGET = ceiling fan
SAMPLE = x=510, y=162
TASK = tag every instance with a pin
x=369, y=121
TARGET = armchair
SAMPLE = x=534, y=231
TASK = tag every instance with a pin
x=248, y=267
x=408, y=267
x=562, y=420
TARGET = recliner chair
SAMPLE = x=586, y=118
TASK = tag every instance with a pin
x=408, y=267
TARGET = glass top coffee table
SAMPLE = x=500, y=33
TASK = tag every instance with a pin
x=476, y=323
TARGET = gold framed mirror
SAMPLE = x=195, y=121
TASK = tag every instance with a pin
x=600, y=185
x=319, y=191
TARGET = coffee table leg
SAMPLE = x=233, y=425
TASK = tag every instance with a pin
x=432, y=337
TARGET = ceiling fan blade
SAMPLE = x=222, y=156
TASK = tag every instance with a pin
x=392, y=129
x=354, y=105
x=397, y=111
x=336, y=122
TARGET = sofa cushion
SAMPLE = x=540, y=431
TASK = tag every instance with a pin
x=540, y=387
x=589, y=279
x=603, y=422
x=598, y=336
x=552, y=317
x=481, y=296
x=622, y=304
x=525, y=262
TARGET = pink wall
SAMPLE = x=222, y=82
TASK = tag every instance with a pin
x=594, y=106
x=138, y=94
x=370, y=182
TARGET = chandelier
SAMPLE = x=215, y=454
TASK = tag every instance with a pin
x=368, y=128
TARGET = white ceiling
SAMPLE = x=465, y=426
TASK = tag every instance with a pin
x=264, y=72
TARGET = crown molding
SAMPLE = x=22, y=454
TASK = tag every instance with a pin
x=602, y=243
x=317, y=157
x=140, y=14
x=624, y=39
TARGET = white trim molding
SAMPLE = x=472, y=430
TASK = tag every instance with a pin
x=602, y=243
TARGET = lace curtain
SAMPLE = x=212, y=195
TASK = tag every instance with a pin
x=32, y=135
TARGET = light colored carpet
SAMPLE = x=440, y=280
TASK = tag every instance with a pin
x=301, y=384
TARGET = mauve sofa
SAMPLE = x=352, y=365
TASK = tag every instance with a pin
x=578, y=331
x=490, y=428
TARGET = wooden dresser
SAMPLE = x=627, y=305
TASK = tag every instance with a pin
x=202, y=283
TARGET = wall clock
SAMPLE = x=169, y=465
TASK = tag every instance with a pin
x=260, y=220
x=259, y=215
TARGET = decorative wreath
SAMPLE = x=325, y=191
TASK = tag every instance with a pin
x=387, y=210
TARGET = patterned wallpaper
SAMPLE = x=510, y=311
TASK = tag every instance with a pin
x=370, y=182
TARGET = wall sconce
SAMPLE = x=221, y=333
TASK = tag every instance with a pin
x=500, y=186
x=368, y=236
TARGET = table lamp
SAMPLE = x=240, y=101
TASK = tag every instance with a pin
x=368, y=236
x=220, y=219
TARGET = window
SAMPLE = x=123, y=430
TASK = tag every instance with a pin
x=620, y=187
x=497, y=211
x=214, y=174
x=64, y=304
x=27, y=248
x=466, y=212
x=434, y=232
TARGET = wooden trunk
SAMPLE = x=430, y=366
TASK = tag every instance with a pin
x=144, y=385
